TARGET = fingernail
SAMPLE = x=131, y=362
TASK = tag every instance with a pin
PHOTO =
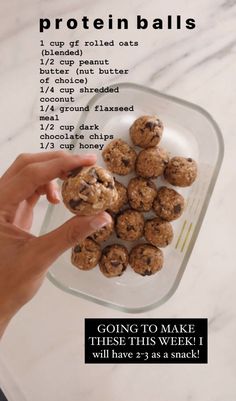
x=100, y=221
x=56, y=195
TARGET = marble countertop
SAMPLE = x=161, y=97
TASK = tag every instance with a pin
x=43, y=346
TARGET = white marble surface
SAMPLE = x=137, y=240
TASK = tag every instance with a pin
x=43, y=346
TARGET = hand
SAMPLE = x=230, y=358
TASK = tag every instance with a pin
x=24, y=258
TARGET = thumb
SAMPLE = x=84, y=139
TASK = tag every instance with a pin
x=50, y=246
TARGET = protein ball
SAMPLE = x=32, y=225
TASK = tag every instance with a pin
x=158, y=232
x=151, y=162
x=141, y=193
x=181, y=171
x=121, y=200
x=119, y=157
x=103, y=233
x=86, y=254
x=114, y=260
x=146, y=131
x=89, y=191
x=146, y=259
x=169, y=204
x=130, y=225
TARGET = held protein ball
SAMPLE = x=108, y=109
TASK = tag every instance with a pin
x=181, y=171
x=146, y=131
x=169, y=204
x=119, y=157
x=89, y=191
x=114, y=260
x=146, y=259
x=86, y=254
x=151, y=162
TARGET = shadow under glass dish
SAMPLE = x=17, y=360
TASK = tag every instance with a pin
x=189, y=131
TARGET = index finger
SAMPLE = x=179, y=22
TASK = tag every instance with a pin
x=25, y=183
x=24, y=159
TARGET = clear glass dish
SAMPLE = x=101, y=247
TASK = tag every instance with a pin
x=189, y=131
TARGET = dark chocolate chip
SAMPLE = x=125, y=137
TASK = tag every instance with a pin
x=126, y=162
x=148, y=260
x=110, y=185
x=130, y=227
x=177, y=208
x=150, y=184
x=150, y=125
x=147, y=273
x=106, y=251
x=189, y=159
x=74, y=203
x=77, y=248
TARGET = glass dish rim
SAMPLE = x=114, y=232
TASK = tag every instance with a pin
x=187, y=255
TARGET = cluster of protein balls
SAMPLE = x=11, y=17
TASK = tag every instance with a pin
x=92, y=189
